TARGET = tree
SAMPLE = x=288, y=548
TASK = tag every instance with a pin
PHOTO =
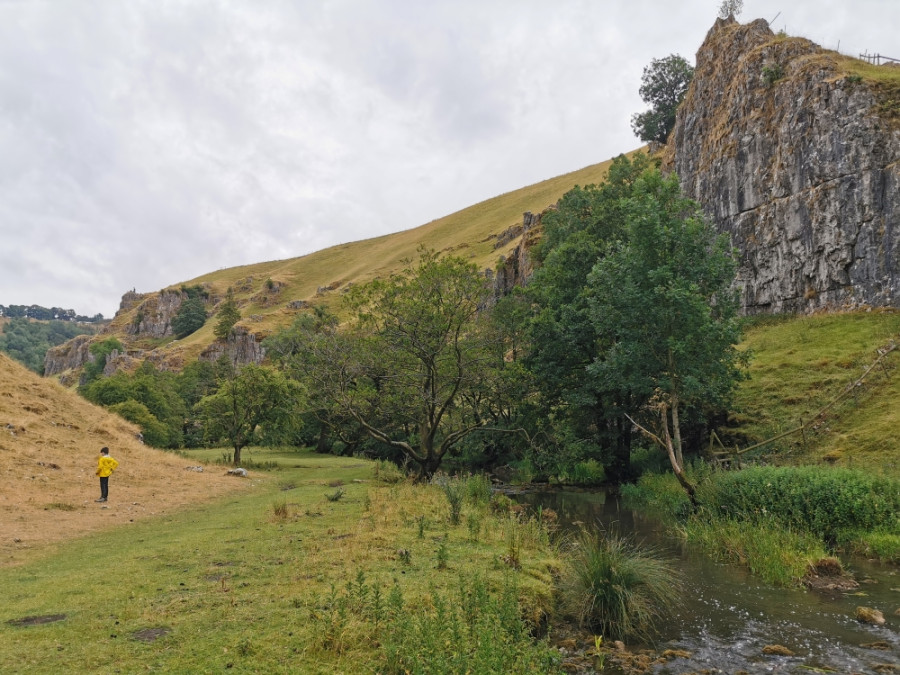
x=663, y=87
x=190, y=317
x=662, y=302
x=731, y=8
x=250, y=404
x=229, y=315
x=586, y=414
x=399, y=368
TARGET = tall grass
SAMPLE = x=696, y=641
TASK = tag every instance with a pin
x=820, y=500
x=618, y=589
x=779, y=556
x=473, y=631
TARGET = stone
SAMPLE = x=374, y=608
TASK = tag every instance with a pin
x=777, y=650
x=869, y=615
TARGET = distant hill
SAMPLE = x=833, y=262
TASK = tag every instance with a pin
x=271, y=294
x=49, y=441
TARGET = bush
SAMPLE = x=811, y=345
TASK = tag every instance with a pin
x=587, y=472
x=387, y=472
x=619, y=590
x=478, y=489
x=474, y=632
x=823, y=501
x=657, y=492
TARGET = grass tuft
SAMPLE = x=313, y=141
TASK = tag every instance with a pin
x=618, y=589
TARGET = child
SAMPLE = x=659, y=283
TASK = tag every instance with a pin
x=105, y=466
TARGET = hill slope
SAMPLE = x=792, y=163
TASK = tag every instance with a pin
x=270, y=294
x=49, y=441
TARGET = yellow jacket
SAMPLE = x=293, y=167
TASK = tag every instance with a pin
x=106, y=465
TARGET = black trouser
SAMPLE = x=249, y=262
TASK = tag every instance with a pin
x=104, y=486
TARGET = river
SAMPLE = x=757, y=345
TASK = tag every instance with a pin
x=728, y=616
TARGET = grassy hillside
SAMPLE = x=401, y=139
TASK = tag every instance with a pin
x=265, y=290
x=801, y=364
x=49, y=441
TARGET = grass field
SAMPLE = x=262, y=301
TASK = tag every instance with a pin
x=248, y=582
x=801, y=364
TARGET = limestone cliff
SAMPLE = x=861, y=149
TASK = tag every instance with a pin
x=516, y=268
x=794, y=154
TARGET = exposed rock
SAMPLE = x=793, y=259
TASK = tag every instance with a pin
x=516, y=268
x=798, y=163
x=242, y=346
x=777, y=650
x=869, y=615
x=67, y=356
x=154, y=315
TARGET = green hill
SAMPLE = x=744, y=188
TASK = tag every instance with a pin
x=270, y=293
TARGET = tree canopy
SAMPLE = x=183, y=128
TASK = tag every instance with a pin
x=661, y=304
x=664, y=84
x=400, y=368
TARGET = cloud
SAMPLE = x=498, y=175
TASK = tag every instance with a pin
x=145, y=143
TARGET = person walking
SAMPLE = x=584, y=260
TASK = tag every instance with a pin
x=105, y=466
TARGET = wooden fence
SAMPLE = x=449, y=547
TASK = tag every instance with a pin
x=726, y=457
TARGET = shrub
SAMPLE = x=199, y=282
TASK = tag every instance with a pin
x=657, y=492
x=500, y=503
x=387, y=472
x=454, y=490
x=475, y=631
x=822, y=500
x=587, y=472
x=617, y=589
x=771, y=74
x=478, y=489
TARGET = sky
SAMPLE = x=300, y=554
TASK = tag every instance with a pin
x=148, y=142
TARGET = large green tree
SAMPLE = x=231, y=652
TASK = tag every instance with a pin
x=664, y=84
x=253, y=404
x=586, y=415
x=399, y=368
x=661, y=303
x=190, y=317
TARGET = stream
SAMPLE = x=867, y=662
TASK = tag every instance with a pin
x=728, y=616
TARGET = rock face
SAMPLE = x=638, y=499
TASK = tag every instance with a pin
x=242, y=345
x=155, y=314
x=798, y=162
x=515, y=269
x=72, y=354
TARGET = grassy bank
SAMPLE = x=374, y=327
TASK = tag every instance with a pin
x=801, y=364
x=319, y=567
x=780, y=522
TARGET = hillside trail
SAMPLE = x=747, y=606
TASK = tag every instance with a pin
x=50, y=439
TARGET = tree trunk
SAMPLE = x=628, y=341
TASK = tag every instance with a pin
x=673, y=459
x=676, y=431
x=237, y=456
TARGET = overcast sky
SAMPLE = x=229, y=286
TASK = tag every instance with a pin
x=144, y=143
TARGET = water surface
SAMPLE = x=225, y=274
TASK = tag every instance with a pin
x=728, y=616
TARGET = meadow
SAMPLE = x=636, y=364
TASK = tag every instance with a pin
x=323, y=565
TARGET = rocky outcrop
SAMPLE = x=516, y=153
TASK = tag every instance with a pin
x=67, y=356
x=798, y=161
x=242, y=346
x=155, y=313
x=516, y=268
